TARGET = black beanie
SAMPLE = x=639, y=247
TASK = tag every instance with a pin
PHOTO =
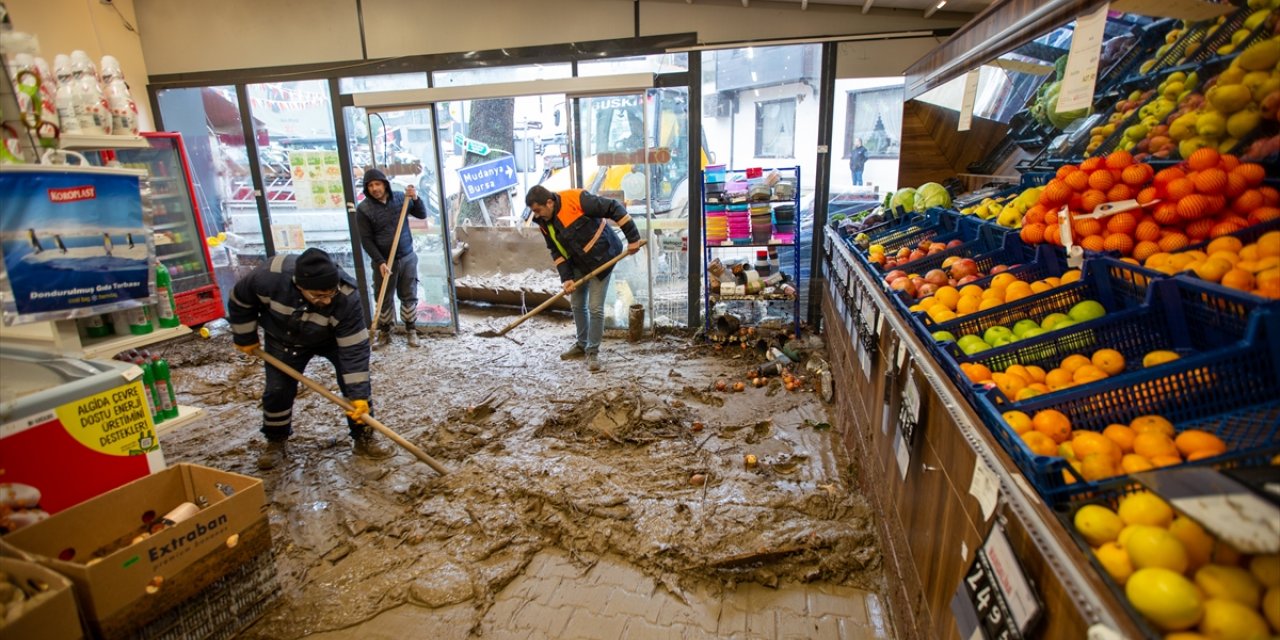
x=314, y=271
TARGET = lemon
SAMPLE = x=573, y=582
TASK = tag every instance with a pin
x=1098, y=524
x=1165, y=598
x=1271, y=608
x=1144, y=507
x=1155, y=547
x=1229, y=583
x=1266, y=568
x=1229, y=620
x=1116, y=561
x=1185, y=635
x=1199, y=544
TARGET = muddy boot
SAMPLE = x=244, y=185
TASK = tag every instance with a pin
x=383, y=340
x=413, y=338
x=593, y=361
x=273, y=456
x=366, y=445
x=576, y=352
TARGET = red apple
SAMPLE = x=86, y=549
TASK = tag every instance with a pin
x=926, y=289
x=904, y=285
x=954, y=243
x=998, y=269
x=936, y=248
x=936, y=277
x=916, y=255
x=966, y=280
x=949, y=260
x=894, y=275
x=964, y=267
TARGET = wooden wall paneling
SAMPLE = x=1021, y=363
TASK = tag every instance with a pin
x=932, y=149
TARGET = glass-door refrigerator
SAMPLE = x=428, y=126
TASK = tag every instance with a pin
x=179, y=229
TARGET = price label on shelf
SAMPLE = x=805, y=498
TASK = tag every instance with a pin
x=995, y=599
x=1081, y=73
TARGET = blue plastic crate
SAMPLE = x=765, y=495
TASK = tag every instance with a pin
x=1024, y=262
x=1185, y=392
x=983, y=243
x=1117, y=285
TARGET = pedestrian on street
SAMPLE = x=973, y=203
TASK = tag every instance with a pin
x=306, y=307
x=376, y=219
x=573, y=225
x=857, y=160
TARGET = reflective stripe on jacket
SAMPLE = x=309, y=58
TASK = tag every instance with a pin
x=577, y=234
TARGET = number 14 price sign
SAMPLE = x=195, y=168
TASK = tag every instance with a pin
x=995, y=600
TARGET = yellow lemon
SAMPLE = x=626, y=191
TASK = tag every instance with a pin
x=1229, y=620
x=1229, y=583
x=1145, y=507
x=1116, y=561
x=1155, y=547
x=1199, y=544
x=1266, y=568
x=1097, y=524
x=1271, y=608
x=1165, y=598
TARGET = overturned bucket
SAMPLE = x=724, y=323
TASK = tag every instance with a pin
x=635, y=323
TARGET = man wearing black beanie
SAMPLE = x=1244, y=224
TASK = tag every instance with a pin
x=306, y=307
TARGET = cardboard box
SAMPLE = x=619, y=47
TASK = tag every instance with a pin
x=55, y=618
x=138, y=583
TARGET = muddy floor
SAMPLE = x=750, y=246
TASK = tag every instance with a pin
x=645, y=460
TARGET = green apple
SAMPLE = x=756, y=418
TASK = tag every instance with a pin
x=1087, y=310
x=1052, y=320
x=1024, y=326
x=990, y=335
x=1001, y=341
x=965, y=341
x=975, y=347
x=1064, y=324
x=1031, y=333
x=943, y=336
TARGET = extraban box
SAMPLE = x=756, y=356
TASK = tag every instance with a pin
x=55, y=618
x=124, y=581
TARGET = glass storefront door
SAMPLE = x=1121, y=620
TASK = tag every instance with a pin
x=402, y=144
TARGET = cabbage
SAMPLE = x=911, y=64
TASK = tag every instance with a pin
x=905, y=198
x=932, y=194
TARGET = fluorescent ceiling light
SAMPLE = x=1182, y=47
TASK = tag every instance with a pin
x=930, y=11
x=571, y=87
x=866, y=6
x=884, y=35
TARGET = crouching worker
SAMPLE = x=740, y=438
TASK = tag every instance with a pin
x=306, y=307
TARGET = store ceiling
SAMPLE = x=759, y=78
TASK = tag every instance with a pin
x=954, y=6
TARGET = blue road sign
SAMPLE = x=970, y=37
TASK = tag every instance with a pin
x=480, y=180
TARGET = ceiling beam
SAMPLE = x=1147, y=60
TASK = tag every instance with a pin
x=866, y=6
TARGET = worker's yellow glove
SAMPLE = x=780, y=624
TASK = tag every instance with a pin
x=247, y=349
x=358, y=409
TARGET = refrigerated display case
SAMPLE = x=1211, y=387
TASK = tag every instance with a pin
x=179, y=229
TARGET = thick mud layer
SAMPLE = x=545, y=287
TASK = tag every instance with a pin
x=644, y=460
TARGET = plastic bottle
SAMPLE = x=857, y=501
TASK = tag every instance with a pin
x=65, y=97
x=95, y=119
x=166, y=310
x=23, y=63
x=96, y=327
x=164, y=387
x=48, y=89
x=149, y=387
x=124, y=111
x=139, y=320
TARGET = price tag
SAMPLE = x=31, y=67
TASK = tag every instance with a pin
x=901, y=453
x=985, y=487
x=909, y=411
x=970, y=96
x=995, y=599
x=1081, y=73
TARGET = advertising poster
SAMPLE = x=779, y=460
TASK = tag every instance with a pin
x=73, y=240
x=317, y=179
x=64, y=456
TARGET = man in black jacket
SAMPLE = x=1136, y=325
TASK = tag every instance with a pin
x=376, y=219
x=306, y=307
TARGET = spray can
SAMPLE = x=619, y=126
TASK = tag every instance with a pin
x=164, y=387
x=166, y=311
x=149, y=387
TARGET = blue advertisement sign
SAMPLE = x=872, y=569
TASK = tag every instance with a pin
x=480, y=180
x=73, y=239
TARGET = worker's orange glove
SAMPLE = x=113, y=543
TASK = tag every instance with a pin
x=358, y=409
x=247, y=349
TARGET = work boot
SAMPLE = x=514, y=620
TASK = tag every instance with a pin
x=413, y=338
x=593, y=361
x=367, y=446
x=273, y=456
x=383, y=340
x=576, y=352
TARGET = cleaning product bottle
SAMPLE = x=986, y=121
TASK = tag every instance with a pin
x=48, y=89
x=139, y=320
x=124, y=111
x=95, y=327
x=66, y=96
x=164, y=387
x=166, y=310
x=149, y=387
x=96, y=117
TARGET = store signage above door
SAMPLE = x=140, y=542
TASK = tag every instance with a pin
x=464, y=143
x=657, y=155
x=480, y=180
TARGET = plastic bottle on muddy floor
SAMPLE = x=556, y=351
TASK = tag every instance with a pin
x=164, y=386
x=149, y=388
x=166, y=311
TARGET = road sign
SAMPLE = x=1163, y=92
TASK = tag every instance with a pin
x=464, y=143
x=480, y=180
